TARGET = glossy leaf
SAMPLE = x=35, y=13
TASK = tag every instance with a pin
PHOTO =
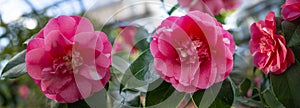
x=224, y=98
x=141, y=68
x=271, y=100
x=142, y=45
x=15, y=66
x=292, y=33
x=296, y=51
x=244, y=87
x=159, y=94
x=78, y=104
x=286, y=86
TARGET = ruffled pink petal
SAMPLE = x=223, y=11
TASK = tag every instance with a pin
x=290, y=58
x=106, y=44
x=103, y=61
x=35, y=43
x=53, y=83
x=40, y=34
x=83, y=25
x=36, y=60
x=99, y=43
x=166, y=48
x=57, y=44
x=69, y=94
x=291, y=12
x=89, y=72
x=85, y=46
x=270, y=21
x=66, y=25
x=205, y=76
x=84, y=86
x=207, y=25
x=182, y=88
x=86, y=40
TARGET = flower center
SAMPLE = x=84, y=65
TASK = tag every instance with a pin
x=266, y=45
x=195, y=51
x=67, y=64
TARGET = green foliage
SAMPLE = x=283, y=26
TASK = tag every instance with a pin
x=15, y=66
x=286, y=86
x=291, y=32
x=271, y=100
x=159, y=94
x=78, y=104
x=223, y=93
x=244, y=87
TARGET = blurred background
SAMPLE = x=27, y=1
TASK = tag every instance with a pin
x=22, y=19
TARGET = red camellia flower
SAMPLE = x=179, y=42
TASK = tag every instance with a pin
x=210, y=6
x=268, y=48
x=68, y=60
x=192, y=52
x=291, y=9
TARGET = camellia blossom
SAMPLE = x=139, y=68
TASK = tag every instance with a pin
x=212, y=7
x=192, y=52
x=125, y=39
x=23, y=91
x=268, y=48
x=291, y=9
x=68, y=60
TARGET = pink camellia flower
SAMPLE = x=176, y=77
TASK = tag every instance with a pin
x=268, y=48
x=291, y=9
x=125, y=39
x=212, y=7
x=192, y=52
x=23, y=91
x=68, y=60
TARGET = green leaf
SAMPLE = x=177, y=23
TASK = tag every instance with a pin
x=248, y=102
x=224, y=98
x=78, y=104
x=15, y=66
x=54, y=104
x=288, y=29
x=271, y=100
x=141, y=71
x=244, y=87
x=295, y=39
x=292, y=33
x=220, y=18
x=142, y=45
x=296, y=51
x=286, y=86
x=159, y=94
x=140, y=35
x=255, y=94
x=140, y=67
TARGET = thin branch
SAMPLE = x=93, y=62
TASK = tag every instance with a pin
x=34, y=11
x=83, y=9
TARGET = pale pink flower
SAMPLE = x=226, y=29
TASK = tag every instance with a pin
x=212, y=7
x=192, y=52
x=23, y=91
x=125, y=39
x=68, y=60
